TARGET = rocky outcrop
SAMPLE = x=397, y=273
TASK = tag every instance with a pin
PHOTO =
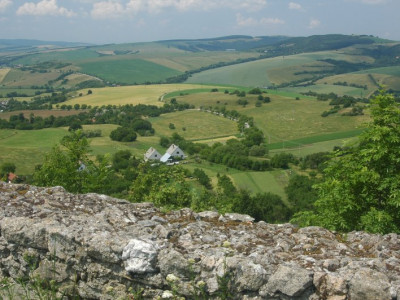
x=106, y=248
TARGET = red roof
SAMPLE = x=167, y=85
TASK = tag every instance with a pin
x=11, y=176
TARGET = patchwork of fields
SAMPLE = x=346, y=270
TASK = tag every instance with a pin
x=291, y=122
x=269, y=71
x=283, y=121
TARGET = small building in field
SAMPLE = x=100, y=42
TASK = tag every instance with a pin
x=173, y=152
x=152, y=154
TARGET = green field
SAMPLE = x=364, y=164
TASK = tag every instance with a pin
x=27, y=148
x=3, y=73
x=263, y=182
x=330, y=88
x=27, y=91
x=128, y=71
x=18, y=78
x=134, y=63
x=265, y=72
x=394, y=71
x=315, y=139
x=307, y=149
x=255, y=182
x=65, y=55
x=284, y=118
x=136, y=94
x=198, y=125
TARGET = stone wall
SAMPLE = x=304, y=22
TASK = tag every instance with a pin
x=106, y=248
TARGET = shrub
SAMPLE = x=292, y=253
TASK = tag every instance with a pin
x=123, y=134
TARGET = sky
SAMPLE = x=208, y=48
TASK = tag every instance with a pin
x=128, y=21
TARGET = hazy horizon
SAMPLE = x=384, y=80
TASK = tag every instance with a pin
x=129, y=21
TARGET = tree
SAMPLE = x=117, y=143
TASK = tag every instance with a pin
x=75, y=126
x=202, y=177
x=164, y=186
x=164, y=142
x=7, y=168
x=263, y=207
x=361, y=187
x=68, y=165
x=253, y=136
x=123, y=134
x=61, y=165
x=282, y=160
x=300, y=193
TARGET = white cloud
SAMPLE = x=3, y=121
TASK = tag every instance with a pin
x=314, y=23
x=370, y=2
x=244, y=22
x=4, y=4
x=107, y=9
x=110, y=8
x=295, y=6
x=271, y=21
x=44, y=7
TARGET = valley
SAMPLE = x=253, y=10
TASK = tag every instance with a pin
x=294, y=89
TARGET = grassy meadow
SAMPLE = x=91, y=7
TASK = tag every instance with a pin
x=136, y=94
x=284, y=118
x=18, y=78
x=269, y=71
x=128, y=71
x=40, y=113
x=194, y=125
x=134, y=63
x=255, y=182
x=3, y=73
x=26, y=148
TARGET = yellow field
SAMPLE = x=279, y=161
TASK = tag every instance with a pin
x=3, y=73
x=184, y=62
x=137, y=94
x=77, y=78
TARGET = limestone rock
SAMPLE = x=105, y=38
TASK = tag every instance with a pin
x=140, y=256
x=291, y=281
x=107, y=248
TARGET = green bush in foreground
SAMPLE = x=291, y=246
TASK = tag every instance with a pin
x=361, y=187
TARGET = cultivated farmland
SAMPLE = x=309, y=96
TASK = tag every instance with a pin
x=128, y=71
x=139, y=94
x=284, y=118
x=3, y=73
x=194, y=125
x=268, y=71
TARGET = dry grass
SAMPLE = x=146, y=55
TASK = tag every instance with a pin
x=3, y=73
x=137, y=94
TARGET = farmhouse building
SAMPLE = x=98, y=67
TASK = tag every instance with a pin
x=152, y=154
x=173, y=152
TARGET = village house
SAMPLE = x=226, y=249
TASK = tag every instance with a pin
x=173, y=152
x=152, y=154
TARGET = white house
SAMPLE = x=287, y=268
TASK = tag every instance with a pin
x=152, y=154
x=173, y=152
